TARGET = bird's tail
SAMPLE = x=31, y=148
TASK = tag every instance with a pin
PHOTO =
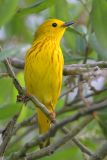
x=44, y=125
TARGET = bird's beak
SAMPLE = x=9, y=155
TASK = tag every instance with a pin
x=67, y=24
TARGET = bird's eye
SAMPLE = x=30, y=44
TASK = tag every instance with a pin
x=54, y=24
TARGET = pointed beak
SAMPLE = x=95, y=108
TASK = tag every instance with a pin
x=67, y=24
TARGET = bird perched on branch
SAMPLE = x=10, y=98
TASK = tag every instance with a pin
x=43, y=69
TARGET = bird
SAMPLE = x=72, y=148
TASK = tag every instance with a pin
x=44, y=69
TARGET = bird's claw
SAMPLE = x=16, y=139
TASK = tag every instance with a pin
x=23, y=98
x=53, y=115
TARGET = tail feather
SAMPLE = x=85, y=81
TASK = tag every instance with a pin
x=44, y=125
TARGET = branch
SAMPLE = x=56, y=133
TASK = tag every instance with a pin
x=8, y=132
x=3, y=75
x=29, y=121
x=50, y=149
x=57, y=126
x=15, y=62
x=68, y=69
x=101, y=153
x=83, y=148
x=82, y=113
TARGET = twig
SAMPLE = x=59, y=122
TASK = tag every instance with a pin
x=82, y=113
x=85, y=6
x=18, y=138
x=83, y=148
x=53, y=130
x=48, y=150
x=70, y=90
x=12, y=75
x=7, y=134
x=3, y=75
x=76, y=104
x=57, y=126
x=80, y=91
x=19, y=64
x=73, y=69
x=26, y=122
x=101, y=153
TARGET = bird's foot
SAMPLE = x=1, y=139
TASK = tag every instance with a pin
x=23, y=98
x=53, y=115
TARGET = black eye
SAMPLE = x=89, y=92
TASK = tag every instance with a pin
x=54, y=24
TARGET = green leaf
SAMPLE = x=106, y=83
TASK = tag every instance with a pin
x=97, y=46
x=101, y=118
x=6, y=90
x=75, y=31
x=9, y=110
x=37, y=7
x=99, y=21
x=9, y=52
x=7, y=10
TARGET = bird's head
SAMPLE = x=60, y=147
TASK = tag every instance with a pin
x=52, y=28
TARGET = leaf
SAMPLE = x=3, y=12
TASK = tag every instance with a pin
x=99, y=21
x=7, y=10
x=9, y=52
x=8, y=110
x=6, y=90
x=75, y=31
x=37, y=7
x=97, y=46
x=101, y=118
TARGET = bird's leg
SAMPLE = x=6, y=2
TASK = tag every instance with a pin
x=52, y=114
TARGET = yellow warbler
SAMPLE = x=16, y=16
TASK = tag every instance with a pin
x=44, y=67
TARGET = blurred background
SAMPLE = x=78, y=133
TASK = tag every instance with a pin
x=85, y=42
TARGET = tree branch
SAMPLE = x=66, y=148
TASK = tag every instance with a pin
x=101, y=153
x=8, y=132
x=50, y=149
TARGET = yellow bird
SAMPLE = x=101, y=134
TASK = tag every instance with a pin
x=43, y=68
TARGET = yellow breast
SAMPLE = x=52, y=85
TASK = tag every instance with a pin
x=43, y=71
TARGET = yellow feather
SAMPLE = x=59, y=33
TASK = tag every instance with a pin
x=44, y=67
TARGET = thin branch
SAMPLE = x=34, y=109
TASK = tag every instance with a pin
x=19, y=137
x=58, y=125
x=77, y=104
x=17, y=63
x=80, y=92
x=82, y=113
x=70, y=89
x=3, y=75
x=8, y=132
x=29, y=121
x=85, y=6
x=50, y=149
x=101, y=153
x=83, y=148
